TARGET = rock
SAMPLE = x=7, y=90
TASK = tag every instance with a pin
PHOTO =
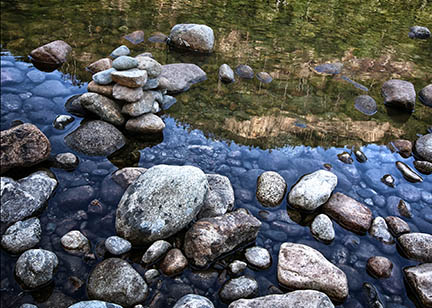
x=73, y=105
x=106, y=90
x=67, y=161
x=155, y=251
x=302, y=267
x=74, y=242
x=297, y=299
x=96, y=138
x=94, y=304
x=425, y=95
x=404, y=209
x=408, y=173
x=360, y=156
x=345, y=157
x=148, y=123
x=322, y=228
x=124, y=63
x=23, y=146
x=153, y=68
x=329, y=68
x=193, y=301
x=424, y=167
x=28, y=306
x=388, y=179
x=100, y=65
x=126, y=176
x=180, y=76
x=399, y=93
x=264, y=77
x=219, y=198
x=271, y=188
x=312, y=190
x=116, y=281
x=372, y=296
x=36, y=267
x=365, y=104
x=161, y=202
x=258, y=257
x=244, y=71
x=22, y=236
x=379, y=267
x=74, y=197
x=209, y=238
x=127, y=94
x=135, y=37
x=51, y=88
x=193, y=37
x=349, y=213
x=52, y=53
x=226, y=74
x=10, y=76
x=26, y=197
x=236, y=267
x=102, y=106
x=174, y=262
x=151, y=84
x=419, y=32
x=241, y=287
x=423, y=147
x=168, y=101
x=103, y=77
x=380, y=231
x=420, y=279
x=144, y=105
x=417, y=246
x=117, y=245
x=403, y=147
x=133, y=78
x=62, y=121
x=397, y=226
x=123, y=50
x=151, y=274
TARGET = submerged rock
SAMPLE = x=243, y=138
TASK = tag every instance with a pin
x=74, y=242
x=419, y=32
x=424, y=167
x=126, y=176
x=135, y=37
x=379, y=267
x=94, y=304
x=193, y=301
x=22, y=236
x=379, y=230
x=10, y=76
x=158, y=38
x=219, y=198
x=417, y=246
x=425, y=95
x=244, y=71
x=236, y=288
x=264, y=77
x=408, y=173
x=117, y=245
x=420, y=279
x=372, y=296
x=365, y=104
x=329, y=68
x=258, y=257
x=193, y=37
x=52, y=53
x=271, y=188
x=423, y=147
x=399, y=93
x=174, y=262
x=180, y=76
x=226, y=74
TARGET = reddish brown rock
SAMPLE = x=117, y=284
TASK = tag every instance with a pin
x=106, y=90
x=174, y=262
x=397, y=226
x=52, y=53
x=379, y=267
x=403, y=147
x=349, y=213
x=23, y=146
x=100, y=65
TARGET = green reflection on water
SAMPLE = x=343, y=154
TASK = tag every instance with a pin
x=284, y=38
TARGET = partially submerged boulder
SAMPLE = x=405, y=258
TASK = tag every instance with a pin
x=192, y=37
x=52, y=53
x=180, y=76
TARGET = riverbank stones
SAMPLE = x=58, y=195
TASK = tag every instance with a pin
x=219, y=198
x=193, y=37
x=74, y=242
x=22, y=236
x=397, y=226
x=52, y=53
x=258, y=257
x=155, y=251
x=420, y=279
x=237, y=266
x=226, y=74
x=100, y=65
x=127, y=94
x=244, y=71
x=132, y=78
x=122, y=50
x=271, y=188
x=423, y=147
x=379, y=267
x=36, y=267
x=117, y=245
x=399, y=93
x=417, y=246
x=322, y=228
x=174, y=262
x=126, y=176
x=236, y=288
x=150, y=65
x=312, y=190
x=193, y=301
x=419, y=32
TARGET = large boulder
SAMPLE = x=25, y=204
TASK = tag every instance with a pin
x=22, y=146
x=302, y=267
x=312, y=190
x=297, y=299
x=161, y=202
x=417, y=246
x=192, y=37
x=219, y=198
x=52, y=53
x=24, y=198
x=420, y=279
x=180, y=76
x=209, y=238
x=349, y=213
x=115, y=280
x=22, y=236
x=96, y=138
x=107, y=109
x=423, y=147
x=399, y=93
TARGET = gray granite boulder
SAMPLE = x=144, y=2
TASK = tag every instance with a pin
x=52, y=53
x=302, y=267
x=148, y=123
x=161, y=202
x=423, y=147
x=105, y=108
x=219, y=198
x=258, y=257
x=155, y=251
x=420, y=279
x=295, y=299
x=22, y=236
x=209, y=238
x=133, y=78
x=193, y=301
x=36, y=267
x=417, y=246
x=114, y=280
x=180, y=76
x=96, y=138
x=241, y=287
x=94, y=304
x=399, y=93
x=425, y=95
x=153, y=68
x=271, y=188
x=322, y=228
x=192, y=37
x=312, y=190
x=226, y=74
x=24, y=198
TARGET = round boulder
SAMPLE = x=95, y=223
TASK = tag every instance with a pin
x=193, y=37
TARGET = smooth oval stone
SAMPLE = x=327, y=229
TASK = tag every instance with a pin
x=103, y=77
x=226, y=74
x=123, y=50
x=423, y=147
x=244, y=71
x=135, y=37
x=379, y=267
x=424, y=167
x=322, y=228
x=158, y=38
x=425, y=95
x=124, y=63
x=264, y=77
x=408, y=173
x=329, y=68
x=241, y=287
x=419, y=32
x=365, y=104
x=417, y=246
x=360, y=156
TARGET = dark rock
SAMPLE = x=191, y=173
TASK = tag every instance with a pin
x=192, y=37
x=419, y=32
x=399, y=93
x=345, y=157
x=372, y=296
x=241, y=287
x=73, y=105
x=100, y=65
x=226, y=74
x=424, y=167
x=397, y=226
x=62, y=121
x=180, y=76
x=404, y=209
x=365, y=104
x=379, y=267
x=244, y=71
x=408, y=173
x=36, y=267
x=174, y=262
x=360, y=156
x=403, y=147
x=52, y=53
x=417, y=246
x=22, y=236
x=425, y=95
x=420, y=279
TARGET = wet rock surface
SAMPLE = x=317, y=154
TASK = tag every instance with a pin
x=174, y=262
x=241, y=287
x=379, y=267
x=322, y=228
x=271, y=188
x=423, y=147
x=107, y=109
x=420, y=279
x=258, y=257
x=193, y=37
x=180, y=76
x=117, y=245
x=399, y=93
x=193, y=301
x=148, y=123
x=424, y=167
x=75, y=243
x=22, y=236
x=379, y=230
x=417, y=246
x=408, y=173
x=94, y=304
x=155, y=251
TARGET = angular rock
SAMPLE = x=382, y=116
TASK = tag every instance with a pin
x=380, y=231
x=127, y=94
x=397, y=226
x=297, y=299
x=126, y=176
x=423, y=166
x=161, y=202
x=192, y=37
x=107, y=109
x=148, y=123
x=180, y=76
x=219, y=198
x=408, y=173
x=425, y=95
x=114, y=280
x=52, y=53
x=241, y=287
x=151, y=84
x=174, y=262
x=124, y=63
x=419, y=32
x=74, y=242
x=24, y=198
x=417, y=246
x=36, y=267
x=94, y=304
x=322, y=228
x=135, y=37
x=209, y=238
x=23, y=146
x=117, y=245
x=103, y=77
x=258, y=257
x=155, y=251
x=22, y=236
x=193, y=301
x=133, y=78
x=271, y=188
x=423, y=147
x=226, y=74
x=153, y=68
x=144, y=105
x=96, y=138
x=404, y=209
x=302, y=267
x=312, y=190
x=399, y=93
x=122, y=50
x=106, y=90
x=402, y=146
x=100, y=65
x=420, y=279
x=349, y=213
x=379, y=267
